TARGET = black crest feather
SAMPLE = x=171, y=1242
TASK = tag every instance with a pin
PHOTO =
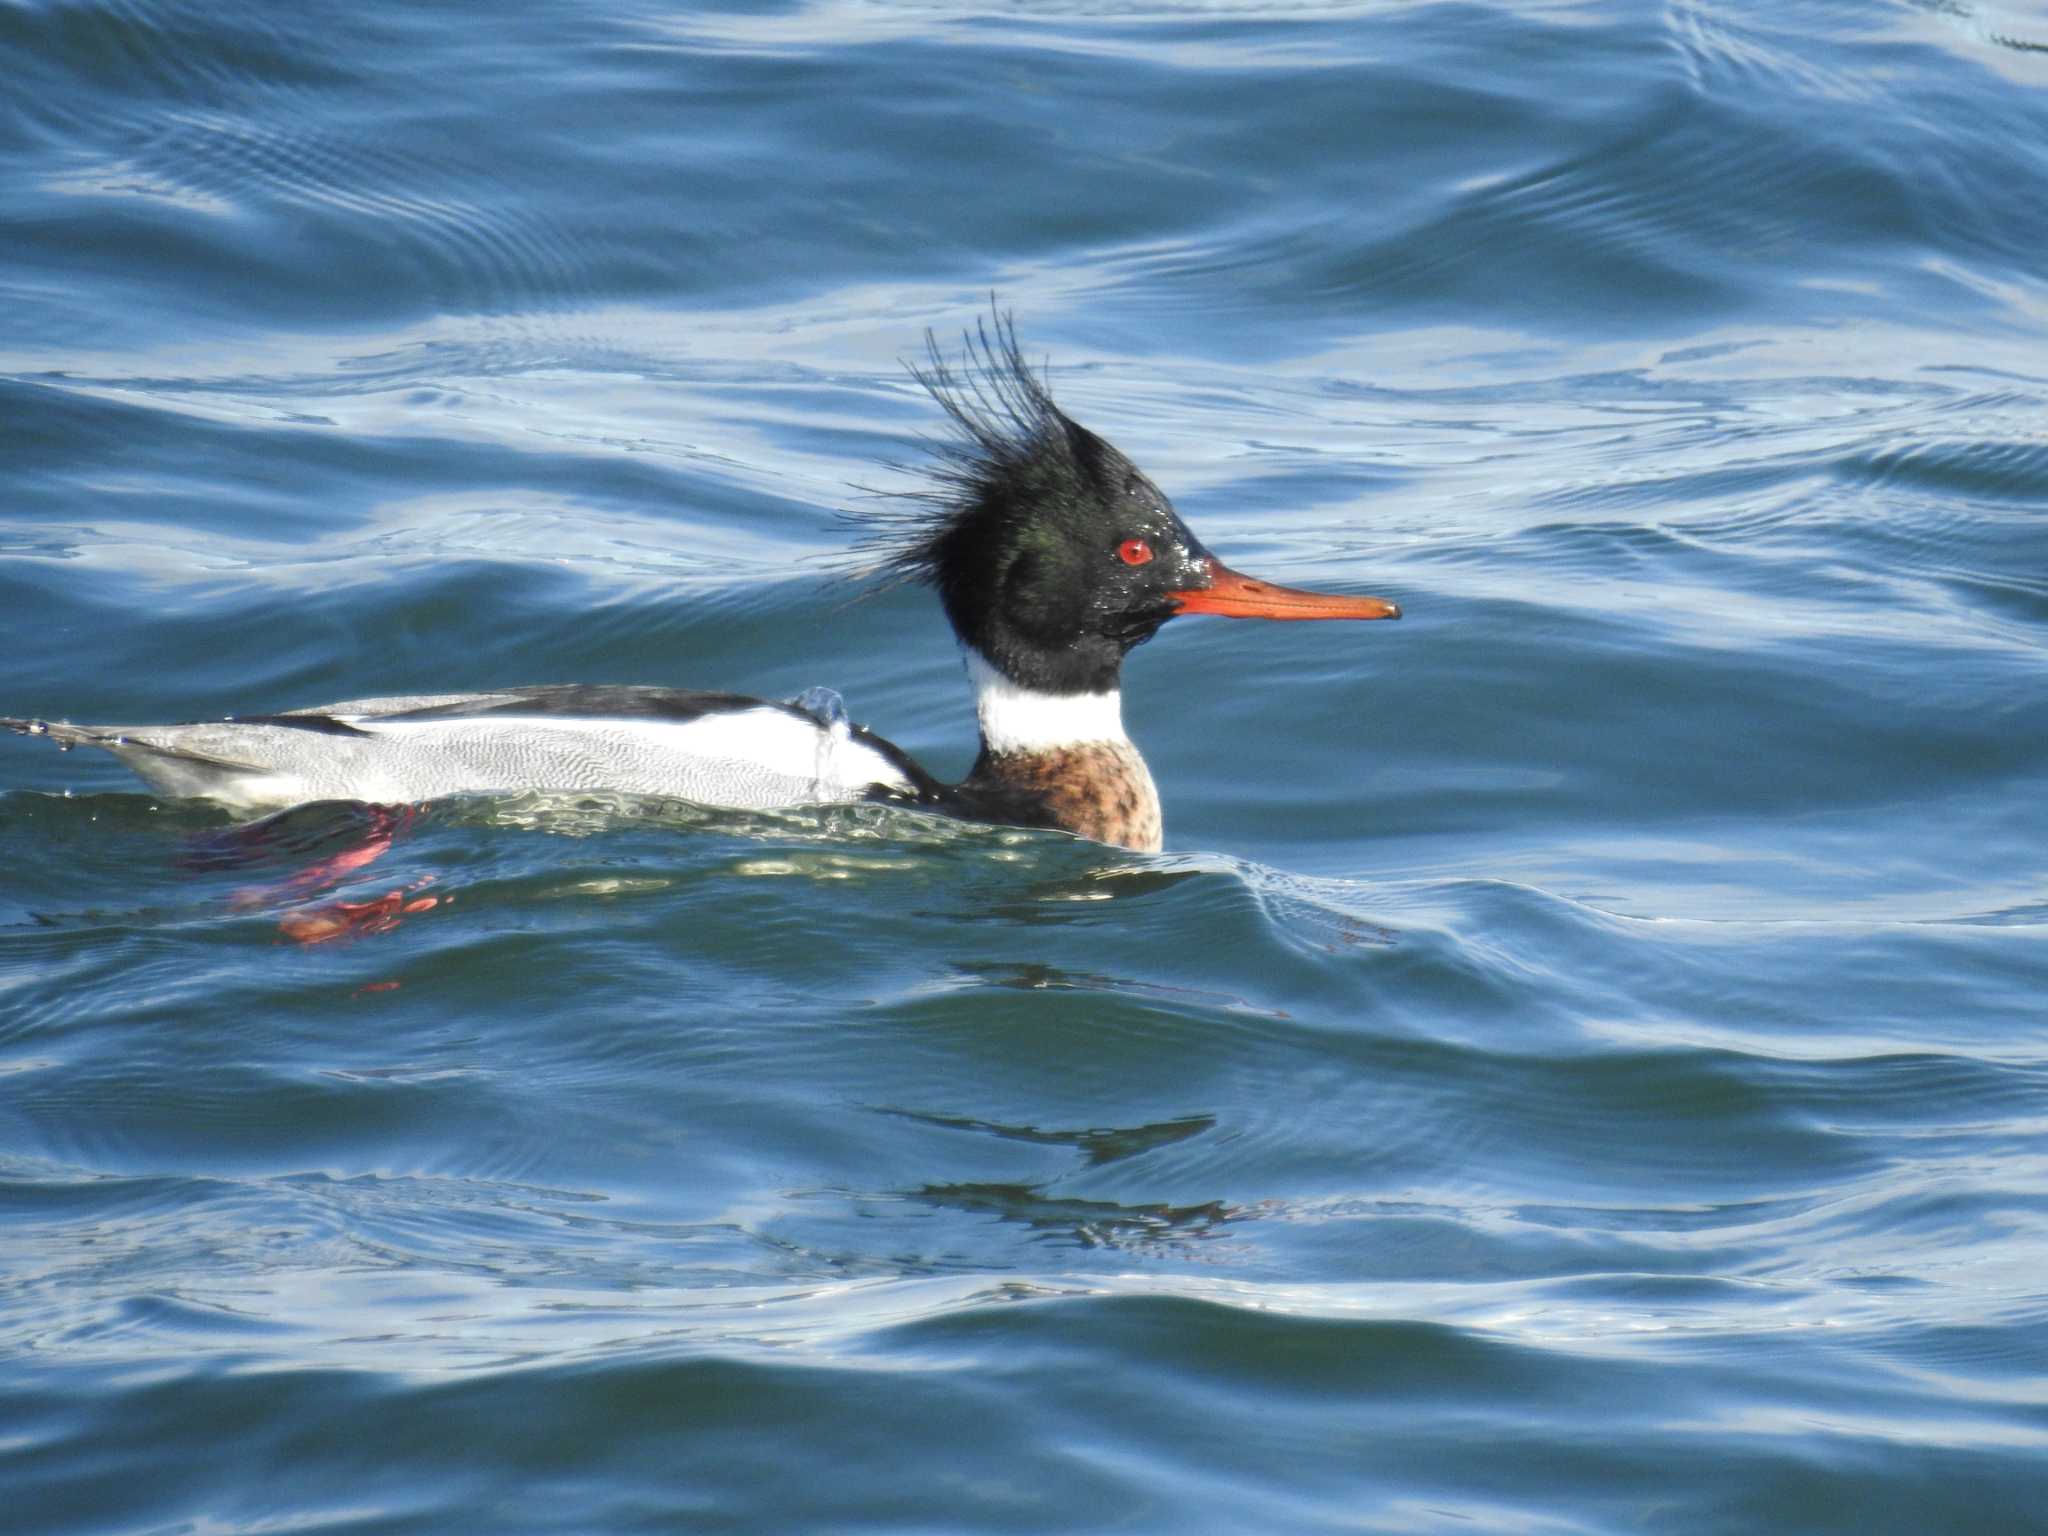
x=1002, y=426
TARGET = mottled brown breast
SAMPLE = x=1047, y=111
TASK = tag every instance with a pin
x=1099, y=789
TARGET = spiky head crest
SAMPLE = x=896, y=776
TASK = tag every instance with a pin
x=1020, y=531
x=1005, y=436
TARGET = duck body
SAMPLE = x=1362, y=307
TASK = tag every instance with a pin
x=715, y=749
x=718, y=749
x=1051, y=554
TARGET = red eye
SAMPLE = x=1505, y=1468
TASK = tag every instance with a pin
x=1134, y=551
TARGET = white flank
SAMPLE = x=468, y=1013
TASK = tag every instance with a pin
x=742, y=757
x=1019, y=719
x=755, y=757
x=777, y=741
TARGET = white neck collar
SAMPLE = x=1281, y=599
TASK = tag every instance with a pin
x=1019, y=719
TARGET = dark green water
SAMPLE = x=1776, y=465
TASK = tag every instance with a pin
x=1579, y=1066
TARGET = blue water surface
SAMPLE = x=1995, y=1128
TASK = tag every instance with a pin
x=1581, y=1064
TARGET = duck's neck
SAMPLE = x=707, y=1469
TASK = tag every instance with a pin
x=1068, y=753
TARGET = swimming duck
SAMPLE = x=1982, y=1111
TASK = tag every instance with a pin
x=1051, y=554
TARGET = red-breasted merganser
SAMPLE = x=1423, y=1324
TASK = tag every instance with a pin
x=1051, y=553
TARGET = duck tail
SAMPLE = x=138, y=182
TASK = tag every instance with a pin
x=62, y=732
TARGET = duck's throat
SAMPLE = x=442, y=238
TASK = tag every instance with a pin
x=1068, y=754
